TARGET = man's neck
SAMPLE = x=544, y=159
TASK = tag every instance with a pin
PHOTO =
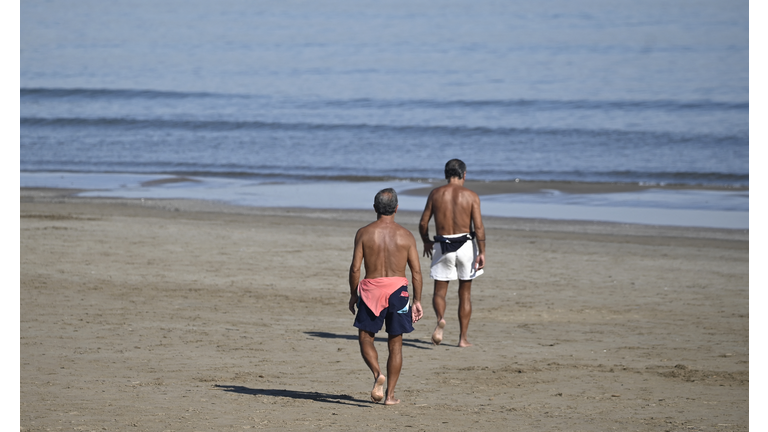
x=385, y=218
x=456, y=181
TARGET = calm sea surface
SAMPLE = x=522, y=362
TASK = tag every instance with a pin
x=240, y=92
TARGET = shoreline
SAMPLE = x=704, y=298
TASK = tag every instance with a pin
x=481, y=187
x=689, y=206
x=56, y=195
x=581, y=188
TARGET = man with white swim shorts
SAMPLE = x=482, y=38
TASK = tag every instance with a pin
x=457, y=251
x=451, y=264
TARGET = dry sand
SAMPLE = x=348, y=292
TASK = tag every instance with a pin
x=184, y=316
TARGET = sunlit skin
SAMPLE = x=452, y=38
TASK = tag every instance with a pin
x=385, y=248
x=456, y=210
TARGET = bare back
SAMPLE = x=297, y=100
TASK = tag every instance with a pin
x=385, y=248
x=456, y=210
x=453, y=207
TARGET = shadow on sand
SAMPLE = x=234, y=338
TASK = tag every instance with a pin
x=414, y=343
x=341, y=399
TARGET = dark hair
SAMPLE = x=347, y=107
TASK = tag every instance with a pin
x=385, y=202
x=455, y=168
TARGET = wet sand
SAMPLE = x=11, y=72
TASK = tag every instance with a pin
x=184, y=315
x=511, y=187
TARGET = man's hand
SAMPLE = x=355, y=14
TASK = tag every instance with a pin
x=416, y=311
x=428, y=249
x=352, y=302
x=480, y=262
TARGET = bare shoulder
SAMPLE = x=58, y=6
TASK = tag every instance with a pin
x=470, y=193
x=405, y=233
x=402, y=230
x=364, y=231
x=439, y=193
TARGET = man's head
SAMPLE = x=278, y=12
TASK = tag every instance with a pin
x=455, y=168
x=385, y=202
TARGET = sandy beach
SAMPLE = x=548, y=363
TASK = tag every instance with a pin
x=180, y=315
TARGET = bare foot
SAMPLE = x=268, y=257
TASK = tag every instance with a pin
x=377, y=394
x=464, y=343
x=392, y=401
x=437, y=335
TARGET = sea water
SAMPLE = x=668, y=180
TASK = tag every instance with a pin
x=261, y=103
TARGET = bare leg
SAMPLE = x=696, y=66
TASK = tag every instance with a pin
x=465, y=311
x=371, y=358
x=438, y=303
x=394, y=365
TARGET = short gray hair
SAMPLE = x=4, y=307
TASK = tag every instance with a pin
x=455, y=168
x=385, y=202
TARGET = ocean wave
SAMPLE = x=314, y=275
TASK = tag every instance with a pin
x=368, y=103
x=226, y=125
x=279, y=173
x=547, y=105
x=57, y=93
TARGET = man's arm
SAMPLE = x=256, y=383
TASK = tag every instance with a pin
x=424, y=228
x=477, y=221
x=354, y=271
x=415, y=266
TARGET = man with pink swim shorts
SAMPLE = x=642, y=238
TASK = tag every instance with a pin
x=382, y=297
